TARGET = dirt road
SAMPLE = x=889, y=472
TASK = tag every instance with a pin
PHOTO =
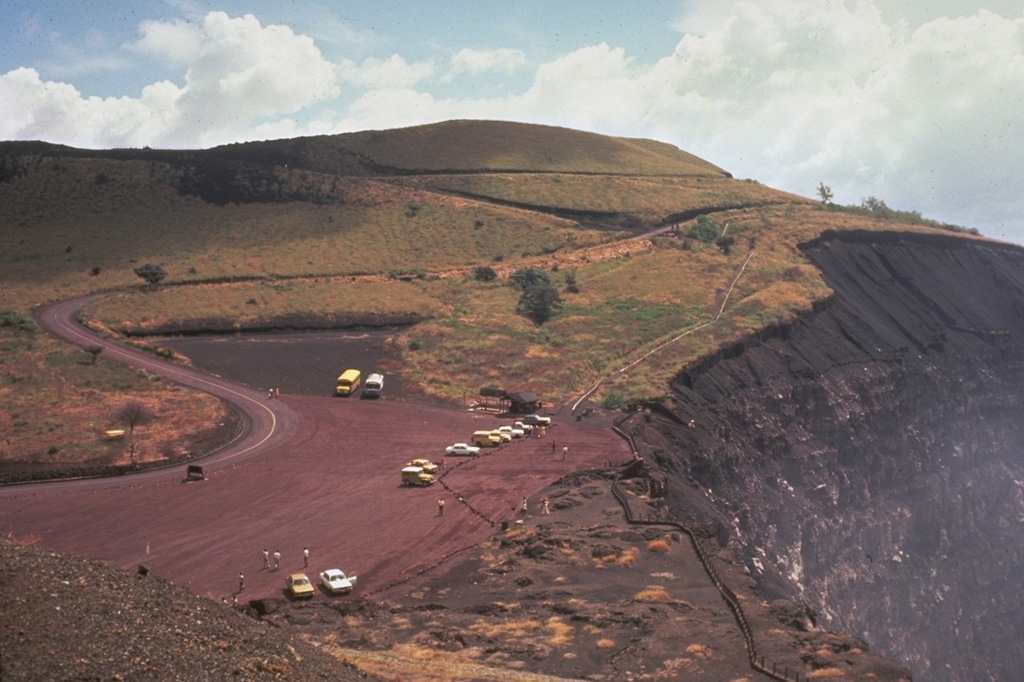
x=310, y=471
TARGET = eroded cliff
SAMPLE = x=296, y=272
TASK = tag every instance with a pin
x=866, y=459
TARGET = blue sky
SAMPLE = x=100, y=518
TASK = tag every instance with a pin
x=915, y=103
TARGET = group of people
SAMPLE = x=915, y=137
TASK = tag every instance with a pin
x=276, y=559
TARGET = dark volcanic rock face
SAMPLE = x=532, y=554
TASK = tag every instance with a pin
x=867, y=459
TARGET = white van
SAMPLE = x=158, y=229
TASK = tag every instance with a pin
x=374, y=385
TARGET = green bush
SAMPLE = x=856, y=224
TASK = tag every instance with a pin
x=485, y=273
x=704, y=230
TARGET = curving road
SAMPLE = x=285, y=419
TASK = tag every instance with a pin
x=266, y=423
x=308, y=471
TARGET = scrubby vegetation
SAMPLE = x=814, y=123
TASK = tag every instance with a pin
x=660, y=255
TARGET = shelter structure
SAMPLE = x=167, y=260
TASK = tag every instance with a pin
x=523, y=402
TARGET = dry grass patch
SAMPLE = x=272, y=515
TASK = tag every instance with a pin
x=826, y=674
x=659, y=546
x=653, y=593
x=700, y=651
x=605, y=643
x=560, y=633
x=511, y=628
x=628, y=558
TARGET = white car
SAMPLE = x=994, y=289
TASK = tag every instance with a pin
x=512, y=431
x=527, y=428
x=462, y=449
x=537, y=420
x=336, y=582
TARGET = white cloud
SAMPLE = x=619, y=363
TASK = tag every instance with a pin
x=238, y=72
x=791, y=92
x=385, y=74
x=173, y=41
x=468, y=60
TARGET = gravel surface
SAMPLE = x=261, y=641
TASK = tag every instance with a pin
x=65, y=618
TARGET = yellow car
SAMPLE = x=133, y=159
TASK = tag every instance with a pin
x=425, y=464
x=299, y=586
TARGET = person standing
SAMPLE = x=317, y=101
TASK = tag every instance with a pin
x=241, y=582
x=545, y=509
x=277, y=560
x=525, y=507
x=440, y=507
x=266, y=559
x=305, y=557
x=553, y=446
x=565, y=453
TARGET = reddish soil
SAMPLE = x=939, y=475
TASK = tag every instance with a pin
x=333, y=488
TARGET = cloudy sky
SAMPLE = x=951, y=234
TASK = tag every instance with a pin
x=919, y=103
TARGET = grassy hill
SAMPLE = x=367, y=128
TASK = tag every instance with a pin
x=395, y=223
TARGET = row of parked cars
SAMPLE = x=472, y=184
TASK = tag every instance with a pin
x=494, y=437
x=333, y=580
x=420, y=472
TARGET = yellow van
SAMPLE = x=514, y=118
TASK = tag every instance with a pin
x=486, y=438
x=348, y=382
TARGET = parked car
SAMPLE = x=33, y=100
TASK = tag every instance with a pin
x=425, y=464
x=416, y=476
x=299, y=586
x=335, y=581
x=512, y=431
x=463, y=449
x=485, y=438
x=536, y=420
x=527, y=428
x=374, y=385
x=503, y=437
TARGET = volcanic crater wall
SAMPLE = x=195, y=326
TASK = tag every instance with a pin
x=867, y=458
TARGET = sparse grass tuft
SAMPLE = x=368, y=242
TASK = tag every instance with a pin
x=659, y=546
x=653, y=593
x=699, y=651
x=628, y=558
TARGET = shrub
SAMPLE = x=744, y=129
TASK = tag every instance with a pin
x=485, y=273
x=571, y=285
x=152, y=274
x=539, y=302
x=704, y=230
x=15, y=321
x=612, y=400
x=660, y=546
x=524, y=278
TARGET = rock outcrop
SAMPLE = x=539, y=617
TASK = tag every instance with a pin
x=866, y=458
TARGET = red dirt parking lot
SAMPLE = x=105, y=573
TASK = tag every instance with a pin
x=333, y=487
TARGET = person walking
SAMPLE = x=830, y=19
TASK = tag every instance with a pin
x=440, y=507
x=241, y=582
x=305, y=557
x=277, y=560
x=266, y=559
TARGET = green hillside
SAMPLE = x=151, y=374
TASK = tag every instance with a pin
x=479, y=146
x=399, y=223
